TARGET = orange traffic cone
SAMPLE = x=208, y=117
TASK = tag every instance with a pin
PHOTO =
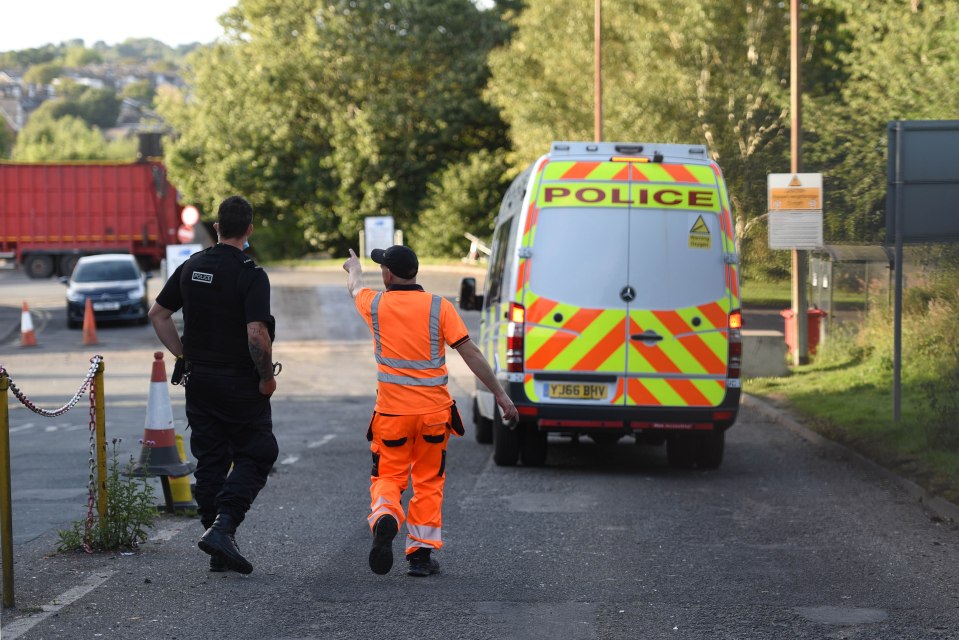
x=89, y=324
x=159, y=455
x=27, y=337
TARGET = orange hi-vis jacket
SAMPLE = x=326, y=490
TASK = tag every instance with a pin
x=411, y=329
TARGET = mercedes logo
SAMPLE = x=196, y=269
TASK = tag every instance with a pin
x=628, y=294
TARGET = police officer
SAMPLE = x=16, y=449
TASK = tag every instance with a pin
x=414, y=412
x=225, y=358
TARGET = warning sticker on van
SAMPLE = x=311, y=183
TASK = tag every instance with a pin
x=699, y=237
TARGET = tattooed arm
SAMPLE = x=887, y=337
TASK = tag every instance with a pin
x=261, y=350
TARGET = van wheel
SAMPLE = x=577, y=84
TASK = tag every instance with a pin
x=681, y=451
x=505, y=441
x=709, y=449
x=484, y=426
x=533, y=446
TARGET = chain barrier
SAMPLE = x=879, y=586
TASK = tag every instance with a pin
x=52, y=413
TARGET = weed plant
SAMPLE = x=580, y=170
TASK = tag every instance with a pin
x=131, y=511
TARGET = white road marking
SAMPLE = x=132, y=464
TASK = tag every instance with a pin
x=19, y=627
x=165, y=534
x=289, y=459
x=22, y=427
x=322, y=441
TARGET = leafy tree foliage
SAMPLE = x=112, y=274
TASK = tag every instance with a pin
x=46, y=138
x=96, y=107
x=142, y=91
x=465, y=197
x=43, y=73
x=326, y=112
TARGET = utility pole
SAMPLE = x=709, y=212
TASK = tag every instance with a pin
x=597, y=73
x=799, y=257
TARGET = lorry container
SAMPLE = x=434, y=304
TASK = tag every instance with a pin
x=51, y=214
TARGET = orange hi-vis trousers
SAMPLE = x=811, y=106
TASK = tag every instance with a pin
x=403, y=447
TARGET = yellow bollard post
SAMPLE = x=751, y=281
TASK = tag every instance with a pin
x=101, y=443
x=6, y=510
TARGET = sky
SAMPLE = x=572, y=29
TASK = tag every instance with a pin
x=34, y=23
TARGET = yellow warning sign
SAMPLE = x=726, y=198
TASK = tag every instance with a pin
x=699, y=237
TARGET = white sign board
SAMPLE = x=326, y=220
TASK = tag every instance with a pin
x=176, y=254
x=378, y=233
x=795, y=210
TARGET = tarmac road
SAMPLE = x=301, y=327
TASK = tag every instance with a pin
x=791, y=538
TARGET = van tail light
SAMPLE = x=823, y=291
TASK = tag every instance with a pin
x=735, y=344
x=515, y=332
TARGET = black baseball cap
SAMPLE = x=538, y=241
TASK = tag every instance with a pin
x=399, y=259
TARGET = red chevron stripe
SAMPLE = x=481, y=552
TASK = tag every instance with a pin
x=622, y=175
x=582, y=319
x=638, y=175
x=673, y=322
x=640, y=395
x=715, y=314
x=654, y=355
x=703, y=354
x=619, y=391
x=603, y=349
x=679, y=173
x=553, y=346
x=579, y=170
x=521, y=274
x=538, y=310
x=689, y=393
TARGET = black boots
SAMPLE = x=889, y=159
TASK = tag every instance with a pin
x=421, y=564
x=219, y=542
x=381, y=555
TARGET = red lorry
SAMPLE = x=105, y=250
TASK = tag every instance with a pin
x=51, y=214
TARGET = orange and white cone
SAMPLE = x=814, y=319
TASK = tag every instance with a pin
x=27, y=336
x=159, y=455
x=90, y=324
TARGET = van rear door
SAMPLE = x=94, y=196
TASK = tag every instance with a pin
x=574, y=262
x=677, y=275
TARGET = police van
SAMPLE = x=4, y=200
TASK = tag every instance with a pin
x=611, y=305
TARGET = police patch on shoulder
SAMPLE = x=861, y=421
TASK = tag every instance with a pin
x=199, y=276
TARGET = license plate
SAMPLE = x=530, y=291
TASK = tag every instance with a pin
x=576, y=391
x=106, y=306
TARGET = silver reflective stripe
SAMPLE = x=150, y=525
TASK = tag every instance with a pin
x=435, y=361
x=410, y=381
x=423, y=533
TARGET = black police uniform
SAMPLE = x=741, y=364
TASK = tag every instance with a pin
x=220, y=290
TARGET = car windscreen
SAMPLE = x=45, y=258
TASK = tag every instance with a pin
x=105, y=271
x=586, y=256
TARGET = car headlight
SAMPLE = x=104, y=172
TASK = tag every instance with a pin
x=135, y=294
x=74, y=296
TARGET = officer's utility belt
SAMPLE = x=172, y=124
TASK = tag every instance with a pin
x=214, y=370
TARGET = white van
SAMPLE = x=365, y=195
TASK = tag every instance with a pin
x=611, y=306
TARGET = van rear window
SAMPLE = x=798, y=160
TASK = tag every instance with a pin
x=586, y=257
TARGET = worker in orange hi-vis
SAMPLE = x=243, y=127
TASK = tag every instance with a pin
x=414, y=411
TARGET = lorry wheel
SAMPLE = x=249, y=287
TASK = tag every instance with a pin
x=506, y=441
x=533, y=446
x=484, y=426
x=38, y=265
x=681, y=451
x=709, y=449
x=67, y=263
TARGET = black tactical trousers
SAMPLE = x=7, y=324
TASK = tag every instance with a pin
x=231, y=424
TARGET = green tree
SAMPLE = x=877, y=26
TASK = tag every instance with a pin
x=80, y=56
x=464, y=197
x=47, y=139
x=326, y=112
x=142, y=91
x=43, y=73
x=96, y=107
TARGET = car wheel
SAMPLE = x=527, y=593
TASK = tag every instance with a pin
x=505, y=441
x=533, y=445
x=709, y=449
x=484, y=426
